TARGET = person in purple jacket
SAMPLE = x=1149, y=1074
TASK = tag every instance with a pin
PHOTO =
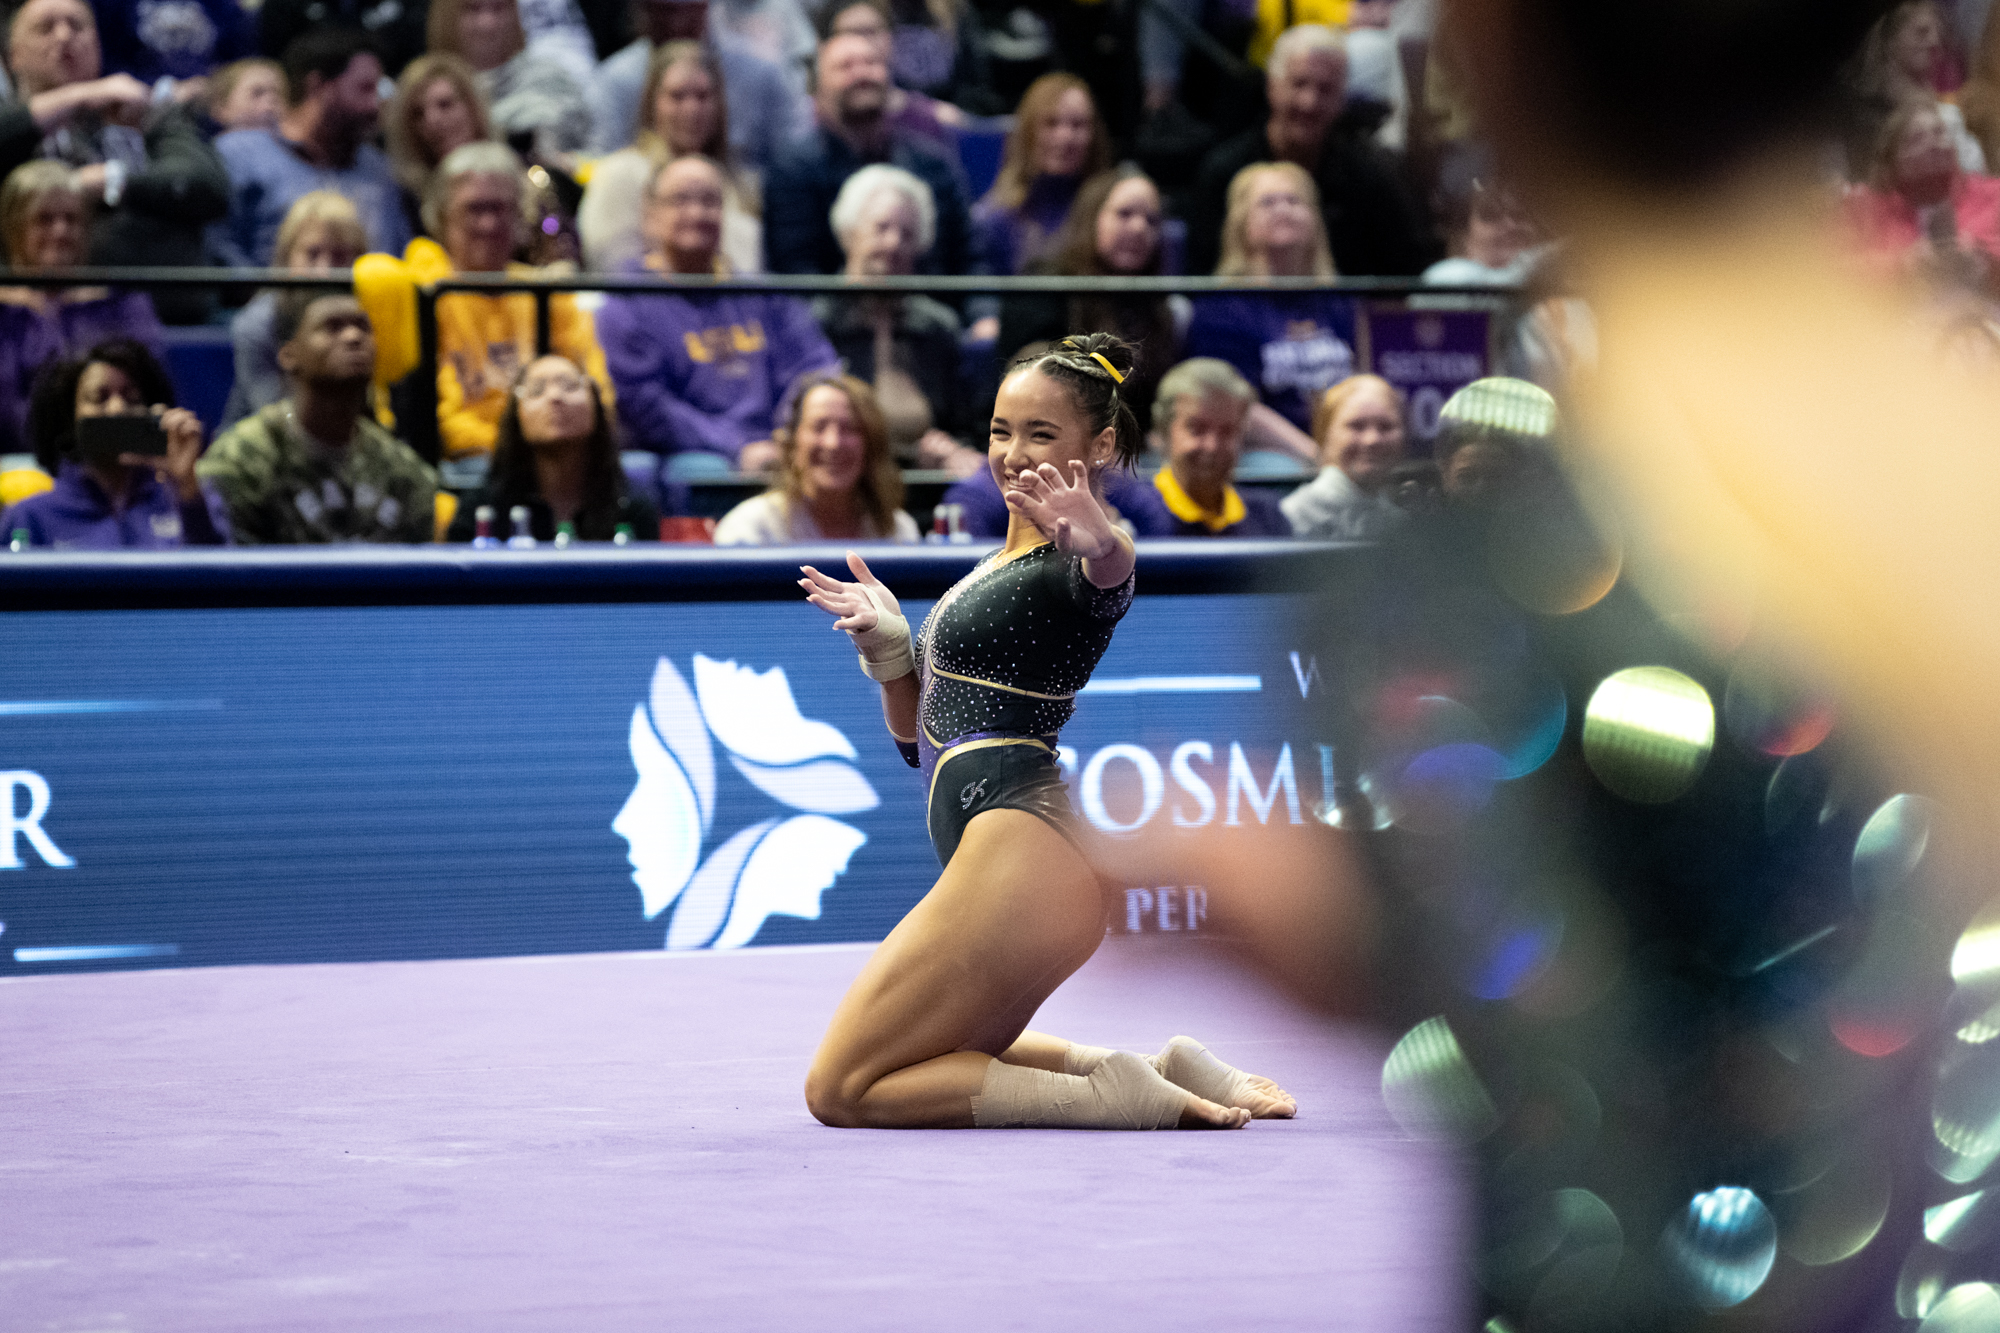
x=699, y=373
x=115, y=502
x=42, y=225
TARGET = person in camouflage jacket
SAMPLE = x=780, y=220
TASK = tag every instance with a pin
x=314, y=467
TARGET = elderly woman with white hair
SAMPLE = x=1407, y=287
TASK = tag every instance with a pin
x=1372, y=219
x=476, y=209
x=904, y=347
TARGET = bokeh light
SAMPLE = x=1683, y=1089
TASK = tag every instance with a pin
x=1836, y=1216
x=1970, y=1307
x=1921, y=1283
x=1964, y=1223
x=1975, y=960
x=1772, y=715
x=1647, y=733
x=1891, y=844
x=1432, y=766
x=1965, y=1114
x=1431, y=1088
x=1723, y=1245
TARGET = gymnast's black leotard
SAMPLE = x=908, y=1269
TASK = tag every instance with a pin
x=999, y=660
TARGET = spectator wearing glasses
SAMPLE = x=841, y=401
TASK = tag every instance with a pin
x=557, y=455
x=836, y=480
x=149, y=177
x=316, y=468
x=42, y=224
x=1374, y=225
x=1198, y=420
x=851, y=99
x=701, y=374
x=322, y=142
x=684, y=110
x=475, y=205
x=115, y=501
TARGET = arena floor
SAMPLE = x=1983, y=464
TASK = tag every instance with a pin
x=618, y=1141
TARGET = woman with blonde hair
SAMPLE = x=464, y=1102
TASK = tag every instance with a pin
x=1058, y=141
x=836, y=478
x=1291, y=345
x=44, y=225
x=1920, y=208
x=683, y=109
x=438, y=107
x=1362, y=425
x=322, y=232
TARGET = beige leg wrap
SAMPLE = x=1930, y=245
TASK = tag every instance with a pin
x=1083, y=1059
x=1186, y=1063
x=1122, y=1092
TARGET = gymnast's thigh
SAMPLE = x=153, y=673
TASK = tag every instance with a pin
x=1014, y=913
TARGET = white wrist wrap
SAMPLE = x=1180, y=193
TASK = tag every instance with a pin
x=885, y=650
x=1122, y=1092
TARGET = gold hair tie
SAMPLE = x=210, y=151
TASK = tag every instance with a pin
x=1112, y=370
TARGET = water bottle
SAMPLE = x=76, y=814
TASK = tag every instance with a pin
x=955, y=532
x=622, y=537
x=940, y=525
x=482, y=524
x=520, y=529
x=19, y=541
x=565, y=535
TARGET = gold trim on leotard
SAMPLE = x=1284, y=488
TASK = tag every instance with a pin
x=956, y=750
x=937, y=670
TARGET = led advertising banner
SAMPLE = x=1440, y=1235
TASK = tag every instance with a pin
x=282, y=784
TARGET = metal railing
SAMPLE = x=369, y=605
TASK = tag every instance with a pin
x=420, y=429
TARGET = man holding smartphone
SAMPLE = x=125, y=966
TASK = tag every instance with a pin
x=316, y=467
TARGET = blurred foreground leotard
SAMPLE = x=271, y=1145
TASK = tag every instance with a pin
x=999, y=661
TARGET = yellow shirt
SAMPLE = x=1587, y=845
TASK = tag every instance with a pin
x=483, y=341
x=1188, y=510
x=1274, y=16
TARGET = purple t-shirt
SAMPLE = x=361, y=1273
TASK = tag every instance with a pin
x=697, y=371
x=77, y=515
x=1292, y=346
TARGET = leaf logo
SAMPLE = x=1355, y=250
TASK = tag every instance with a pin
x=780, y=865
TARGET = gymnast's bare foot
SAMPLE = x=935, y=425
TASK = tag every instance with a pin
x=1265, y=1100
x=1200, y=1113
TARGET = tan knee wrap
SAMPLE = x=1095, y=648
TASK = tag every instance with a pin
x=1122, y=1092
x=1079, y=1059
x=1186, y=1063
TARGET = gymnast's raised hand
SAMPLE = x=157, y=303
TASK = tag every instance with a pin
x=870, y=614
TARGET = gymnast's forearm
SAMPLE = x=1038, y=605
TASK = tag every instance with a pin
x=1110, y=569
x=899, y=706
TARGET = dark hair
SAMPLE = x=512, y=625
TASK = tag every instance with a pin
x=513, y=479
x=835, y=8
x=290, y=311
x=326, y=50
x=1073, y=362
x=52, y=405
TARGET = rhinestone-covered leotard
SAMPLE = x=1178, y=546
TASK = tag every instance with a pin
x=1000, y=659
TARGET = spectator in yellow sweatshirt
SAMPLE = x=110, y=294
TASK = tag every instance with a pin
x=474, y=205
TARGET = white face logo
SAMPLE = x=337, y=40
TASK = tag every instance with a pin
x=781, y=865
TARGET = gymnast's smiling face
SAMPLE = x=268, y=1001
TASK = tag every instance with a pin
x=1037, y=420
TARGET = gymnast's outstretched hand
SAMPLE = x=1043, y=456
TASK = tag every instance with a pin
x=869, y=613
x=1070, y=516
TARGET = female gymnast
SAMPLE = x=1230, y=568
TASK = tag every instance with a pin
x=932, y=1033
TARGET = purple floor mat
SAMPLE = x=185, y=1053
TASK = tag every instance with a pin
x=619, y=1141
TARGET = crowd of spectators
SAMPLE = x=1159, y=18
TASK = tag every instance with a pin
x=670, y=137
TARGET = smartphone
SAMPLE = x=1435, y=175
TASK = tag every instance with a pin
x=104, y=439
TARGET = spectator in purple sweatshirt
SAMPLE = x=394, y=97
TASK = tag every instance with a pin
x=42, y=225
x=1058, y=141
x=104, y=502
x=700, y=373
